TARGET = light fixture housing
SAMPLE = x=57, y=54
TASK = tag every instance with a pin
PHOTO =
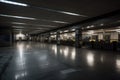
x=20, y=17
x=14, y=3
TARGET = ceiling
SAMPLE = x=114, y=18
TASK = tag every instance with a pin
x=43, y=15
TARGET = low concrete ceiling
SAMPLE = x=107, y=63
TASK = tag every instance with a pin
x=42, y=15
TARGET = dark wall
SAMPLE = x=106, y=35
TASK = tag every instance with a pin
x=5, y=37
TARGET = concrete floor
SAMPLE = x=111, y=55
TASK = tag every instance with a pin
x=39, y=61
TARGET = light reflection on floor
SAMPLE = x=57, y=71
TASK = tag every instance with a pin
x=35, y=61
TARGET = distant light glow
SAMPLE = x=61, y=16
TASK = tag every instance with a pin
x=13, y=3
x=92, y=26
x=66, y=30
x=88, y=27
x=101, y=24
x=117, y=30
x=73, y=29
x=20, y=35
x=65, y=35
x=73, y=34
x=90, y=32
x=20, y=17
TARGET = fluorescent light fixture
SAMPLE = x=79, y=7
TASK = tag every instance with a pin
x=59, y=11
x=92, y=26
x=60, y=22
x=45, y=25
x=20, y=17
x=90, y=32
x=13, y=3
x=88, y=27
x=30, y=18
x=66, y=30
x=17, y=26
x=18, y=23
x=73, y=29
x=54, y=21
x=23, y=4
x=70, y=13
x=32, y=24
x=41, y=28
x=101, y=24
x=117, y=30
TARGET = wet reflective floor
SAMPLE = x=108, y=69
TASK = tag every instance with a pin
x=40, y=61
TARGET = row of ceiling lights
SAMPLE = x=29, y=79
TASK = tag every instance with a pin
x=47, y=9
x=30, y=18
x=91, y=26
x=32, y=24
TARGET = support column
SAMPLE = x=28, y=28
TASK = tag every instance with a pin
x=58, y=38
x=12, y=38
x=78, y=38
x=49, y=39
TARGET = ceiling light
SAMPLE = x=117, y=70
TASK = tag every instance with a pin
x=59, y=11
x=88, y=27
x=45, y=25
x=90, y=32
x=92, y=26
x=20, y=17
x=23, y=4
x=13, y=3
x=41, y=28
x=60, y=22
x=73, y=14
x=30, y=18
x=66, y=30
x=73, y=29
x=17, y=23
x=117, y=30
x=32, y=24
x=102, y=24
x=17, y=26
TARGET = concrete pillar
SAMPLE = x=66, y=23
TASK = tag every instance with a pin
x=78, y=37
x=58, y=38
x=12, y=37
x=49, y=39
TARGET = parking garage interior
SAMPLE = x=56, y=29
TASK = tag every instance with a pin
x=59, y=40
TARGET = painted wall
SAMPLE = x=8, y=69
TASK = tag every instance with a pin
x=5, y=38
